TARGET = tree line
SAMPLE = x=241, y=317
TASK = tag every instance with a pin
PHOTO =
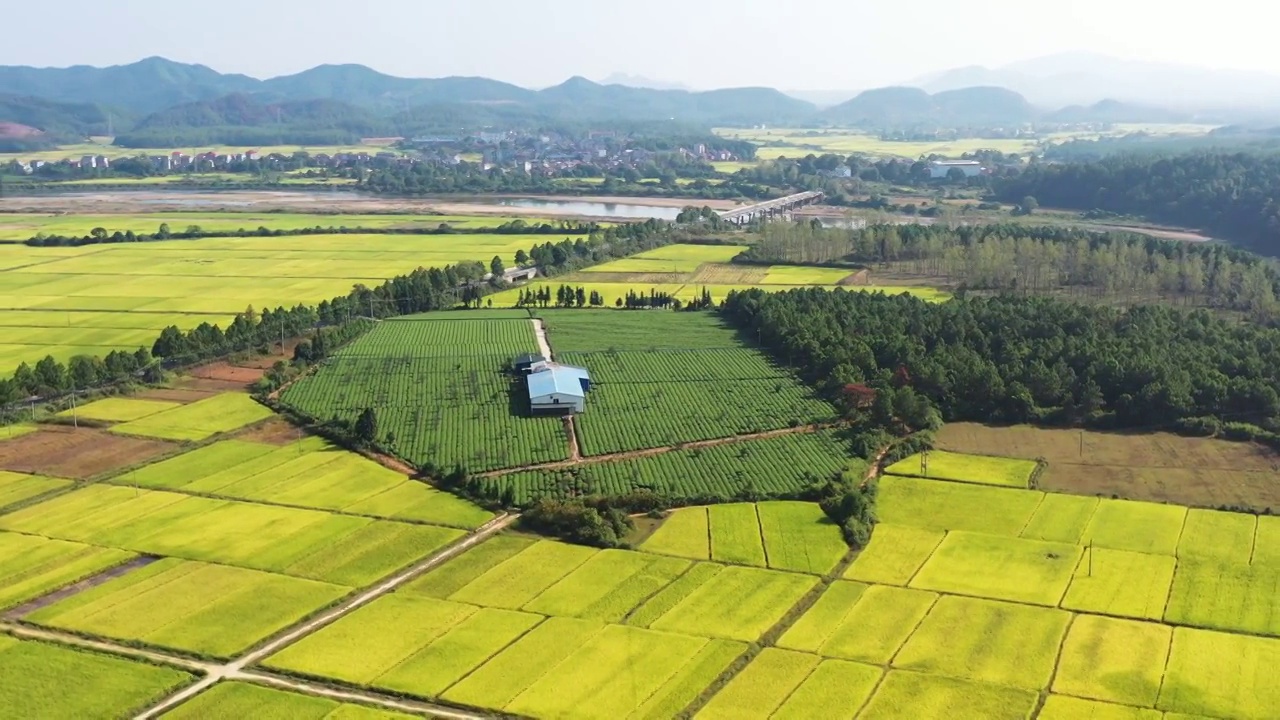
x=1014, y=359
x=422, y=290
x=1233, y=195
x=100, y=235
x=1041, y=260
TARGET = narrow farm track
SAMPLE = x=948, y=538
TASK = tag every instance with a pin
x=540, y=332
x=92, y=581
x=368, y=698
x=649, y=452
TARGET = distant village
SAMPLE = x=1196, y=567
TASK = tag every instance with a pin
x=541, y=154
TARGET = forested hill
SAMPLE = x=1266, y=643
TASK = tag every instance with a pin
x=1021, y=360
x=1235, y=196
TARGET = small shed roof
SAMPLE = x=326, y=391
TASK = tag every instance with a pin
x=563, y=379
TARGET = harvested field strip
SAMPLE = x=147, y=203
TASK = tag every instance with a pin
x=199, y=420
x=981, y=469
x=1120, y=583
x=1119, y=661
x=189, y=606
x=894, y=555
x=762, y=597
x=17, y=487
x=735, y=534
x=986, y=640
x=31, y=567
x=82, y=454
x=42, y=680
x=762, y=686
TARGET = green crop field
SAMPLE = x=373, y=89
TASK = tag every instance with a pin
x=118, y=409
x=904, y=694
x=1063, y=707
x=64, y=301
x=834, y=683
x=1136, y=526
x=1218, y=536
x=934, y=505
x=896, y=555
x=339, y=549
x=761, y=597
x=199, y=420
x=1234, y=597
x=17, y=487
x=1060, y=518
x=1118, y=661
x=997, y=642
x=694, y=398
x=309, y=473
x=785, y=464
x=1031, y=571
x=859, y=622
x=1221, y=675
x=205, y=609
x=440, y=390
x=981, y=469
x=1118, y=582
x=40, y=680
x=31, y=566
x=762, y=686
x=780, y=535
x=245, y=700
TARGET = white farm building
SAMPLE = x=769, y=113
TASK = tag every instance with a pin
x=938, y=169
x=557, y=388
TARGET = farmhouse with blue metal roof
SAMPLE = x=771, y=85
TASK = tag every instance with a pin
x=557, y=388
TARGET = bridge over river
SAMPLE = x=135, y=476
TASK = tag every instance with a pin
x=771, y=208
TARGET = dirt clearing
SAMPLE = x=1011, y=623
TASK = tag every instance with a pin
x=274, y=431
x=1160, y=467
x=83, y=453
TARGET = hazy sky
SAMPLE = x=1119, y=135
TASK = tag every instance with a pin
x=788, y=44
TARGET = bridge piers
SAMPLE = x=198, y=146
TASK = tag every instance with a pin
x=772, y=208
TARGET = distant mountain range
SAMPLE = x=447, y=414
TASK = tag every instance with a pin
x=639, y=81
x=1089, y=78
x=155, y=102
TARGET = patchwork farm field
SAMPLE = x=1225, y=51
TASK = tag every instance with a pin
x=685, y=271
x=97, y=298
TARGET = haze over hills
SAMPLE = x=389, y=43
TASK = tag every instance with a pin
x=640, y=81
x=157, y=102
x=1087, y=78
